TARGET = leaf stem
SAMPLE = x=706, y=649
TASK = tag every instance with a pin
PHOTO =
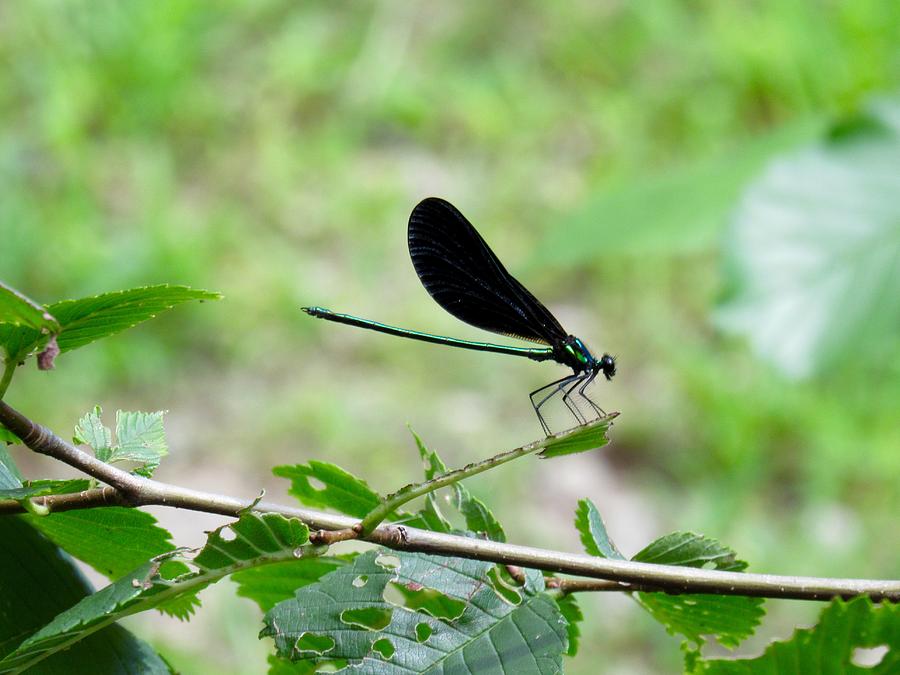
x=406, y=494
x=9, y=367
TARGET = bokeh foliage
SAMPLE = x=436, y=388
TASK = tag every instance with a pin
x=272, y=151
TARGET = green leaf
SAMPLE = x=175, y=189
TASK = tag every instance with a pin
x=140, y=437
x=344, y=616
x=269, y=585
x=592, y=529
x=254, y=540
x=113, y=540
x=477, y=515
x=89, y=319
x=340, y=490
x=10, y=476
x=829, y=647
x=580, y=439
x=6, y=436
x=813, y=255
x=37, y=582
x=730, y=618
x=20, y=310
x=91, y=431
x=40, y=488
x=568, y=607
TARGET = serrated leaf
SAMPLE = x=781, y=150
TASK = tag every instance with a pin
x=256, y=540
x=89, y=319
x=812, y=254
x=19, y=310
x=91, y=431
x=341, y=490
x=41, y=488
x=271, y=584
x=829, y=647
x=477, y=515
x=528, y=637
x=568, y=607
x=594, y=537
x=113, y=540
x=140, y=437
x=580, y=439
x=730, y=618
x=37, y=582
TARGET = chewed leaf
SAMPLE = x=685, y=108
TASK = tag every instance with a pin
x=843, y=631
x=452, y=620
x=326, y=485
x=580, y=439
x=730, y=618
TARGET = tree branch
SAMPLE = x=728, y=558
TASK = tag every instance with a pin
x=136, y=491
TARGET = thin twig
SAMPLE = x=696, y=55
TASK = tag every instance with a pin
x=136, y=491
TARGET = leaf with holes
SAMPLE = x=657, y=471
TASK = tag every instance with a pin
x=169, y=581
x=850, y=637
x=594, y=537
x=89, y=319
x=580, y=439
x=20, y=310
x=730, y=618
x=341, y=490
x=345, y=617
x=813, y=255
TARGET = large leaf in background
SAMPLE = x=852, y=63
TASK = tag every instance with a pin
x=679, y=211
x=830, y=646
x=37, y=582
x=166, y=582
x=813, y=256
x=730, y=618
x=17, y=309
x=344, y=616
x=113, y=540
x=88, y=319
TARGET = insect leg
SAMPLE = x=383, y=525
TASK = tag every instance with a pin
x=558, y=384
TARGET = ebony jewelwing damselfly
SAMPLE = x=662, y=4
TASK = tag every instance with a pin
x=462, y=274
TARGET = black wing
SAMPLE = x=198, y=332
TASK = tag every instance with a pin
x=463, y=275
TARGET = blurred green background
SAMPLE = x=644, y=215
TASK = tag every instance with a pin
x=272, y=151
